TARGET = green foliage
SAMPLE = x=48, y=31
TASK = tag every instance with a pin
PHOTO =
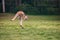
x=28, y=9
x=42, y=10
x=0, y=8
x=32, y=7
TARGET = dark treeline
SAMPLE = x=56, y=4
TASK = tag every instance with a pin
x=36, y=7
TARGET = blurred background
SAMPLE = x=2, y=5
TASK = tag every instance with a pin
x=43, y=20
x=31, y=7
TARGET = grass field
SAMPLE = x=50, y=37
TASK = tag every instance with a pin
x=37, y=27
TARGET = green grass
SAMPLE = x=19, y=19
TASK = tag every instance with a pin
x=37, y=27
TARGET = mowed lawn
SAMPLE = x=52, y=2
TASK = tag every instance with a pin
x=37, y=27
